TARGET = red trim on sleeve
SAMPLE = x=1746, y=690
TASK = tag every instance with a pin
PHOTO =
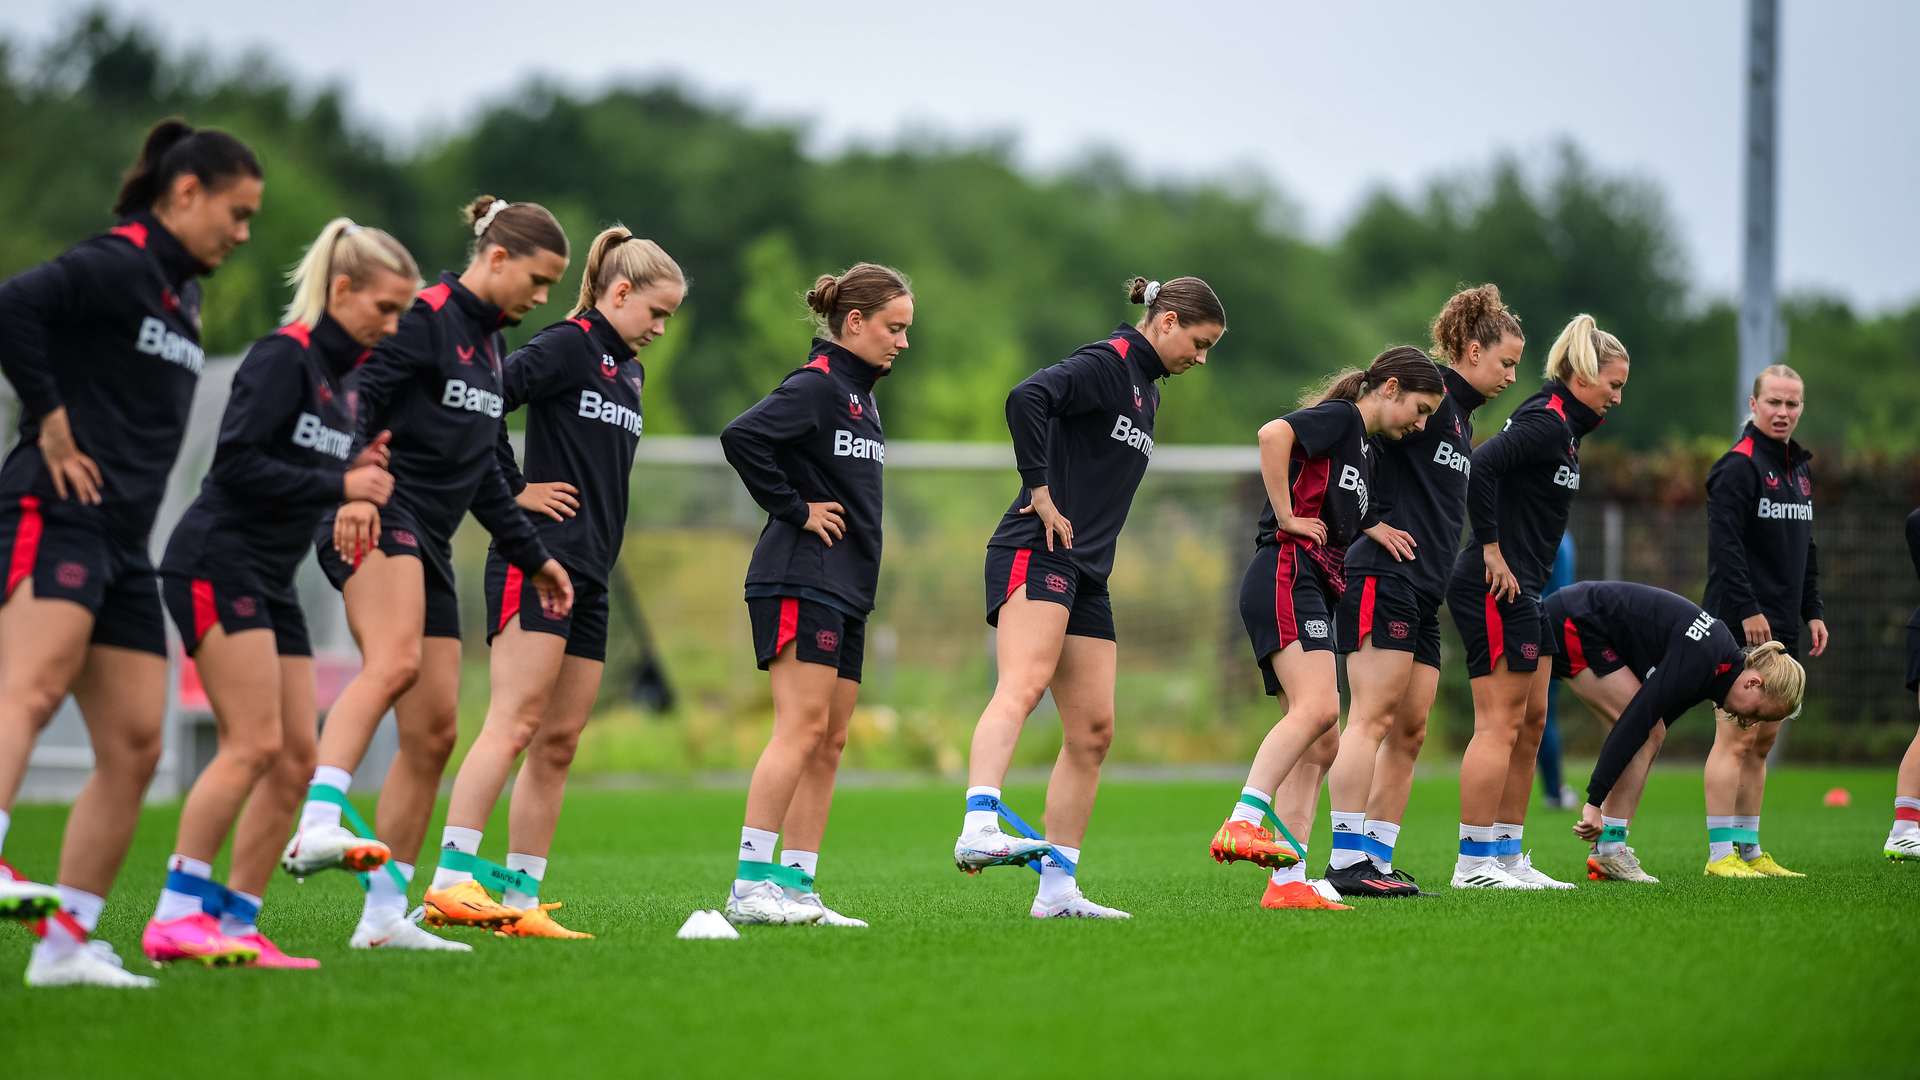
x=1556, y=406
x=1119, y=345
x=1744, y=447
x=819, y=363
x=585, y=326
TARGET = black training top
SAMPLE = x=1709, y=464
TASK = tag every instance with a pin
x=816, y=438
x=1327, y=476
x=1083, y=428
x=1522, y=485
x=285, y=443
x=1682, y=655
x=1420, y=486
x=111, y=330
x=1761, y=558
x=1913, y=539
x=436, y=385
x=581, y=385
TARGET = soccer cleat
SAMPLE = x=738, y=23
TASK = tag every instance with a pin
x=1075, y=906
x=975, y=851
x=1243, y=841
x=1733, y=866
x=1365, y=879
x=401, y=932
x=195, y=937
x=1622, y=867
x=1488, y=874
x=23, y=900
x=1326, y=891
x=764, y=903
x=326, y=847
x=827, y=916
x=92, y=964
x=467, y=904
x=1764, y=865
x=1521, y=869
x=1903, y=848
x=535, y=922
x=1300, y=896
x=272, y=957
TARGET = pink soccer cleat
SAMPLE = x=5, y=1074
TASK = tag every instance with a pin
x=272, y=957
x=194, y=937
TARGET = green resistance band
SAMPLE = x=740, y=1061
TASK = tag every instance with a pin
x=1733, y=836
x=326, y=793
x=492, y=875
x=1613, y=834
x=1266, y=811
x=787, y=877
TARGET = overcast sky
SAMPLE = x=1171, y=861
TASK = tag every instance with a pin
x=1326, y=99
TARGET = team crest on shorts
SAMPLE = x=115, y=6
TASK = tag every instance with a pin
x=1316, y=628
x=246, y=607
x=70, y=575
x=1399, y=630
x=405, y=538
x=1529, y=650
x=1056, y=583
x=1609, y=655
x=826, y=641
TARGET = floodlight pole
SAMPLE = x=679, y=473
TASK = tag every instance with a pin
x=1762, y=335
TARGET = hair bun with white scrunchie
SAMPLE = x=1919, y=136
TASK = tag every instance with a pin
x=486, y=219
x=1152, y=293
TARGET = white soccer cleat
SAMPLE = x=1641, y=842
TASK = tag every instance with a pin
x=1622, y=867
x=1488, y=874
x=762, y=903
x=26, y=901
x=92, y=964
x=1076, y=906
x=1903, y=848
x=401, y=932
x=826, y=916
x=327, y=847
x=975, y=851
x=1521, y=869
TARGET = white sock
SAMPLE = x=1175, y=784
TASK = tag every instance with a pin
x=979, y=820
x=1055, y=883
x=455, y=838
x=757, y=846
x=535, y=867
x=6, y=819
x=178, y=905
x=1388, y=833
x=316, y=814
x=1255, y=814
x=1749, y=821
x=1480, y=834
x=1718, y=849
x=1347, y=828
x=234, y=927
x=1613, y=847
x=85, y=908
x=1296, y=872
x=386, y=901
x=1900, y=827
x=1507, y=831
x=807, y=862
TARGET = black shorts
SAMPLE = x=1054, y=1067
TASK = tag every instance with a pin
x=819, y=633
x=1913, y=653
x=1492, y=630
x=400, y=534
x=1055, y=579
x=1392, y=614
x=235, y=603
x=511, y=595
x=69, y=555
x=1285, y=598
x=1578, y=645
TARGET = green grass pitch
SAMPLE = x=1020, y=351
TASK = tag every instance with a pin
x=1687, y=978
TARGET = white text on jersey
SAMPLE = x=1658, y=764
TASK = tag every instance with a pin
x=847, y=444
x=595, y=407
x=458, y=395
x=310, y=434
x=1785, y=511
x=156, y=340
x=1447, y=457
x=1124, y=431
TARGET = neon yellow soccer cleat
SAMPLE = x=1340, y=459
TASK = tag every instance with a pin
x=1763, y=864
x=1732, y=865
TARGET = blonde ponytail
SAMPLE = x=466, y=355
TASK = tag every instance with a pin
x=617, y=254
x=1581, y=350
x=343, y=248
x=1781, y=677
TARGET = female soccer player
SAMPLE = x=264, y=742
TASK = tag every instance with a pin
x=103, y=347
x=1763, y=575
x=1903, y=842
x=581, y=382
x=811, y=454
x=436, y=383
x=1518, y=498
x=1316, y=463
x=1082, y=436
x=227, y=579
x=1642, y=657
x=1388, y=623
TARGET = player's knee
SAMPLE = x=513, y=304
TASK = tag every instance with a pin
x=254, y=752
x=832, y=745
x=37, y=702
x=430, y=742
x=287, y=779
x=1407, y=739
x=556, y=751
x=394, y=670
x=1318, y=713
x=1092, y=740
x=130, y=755
x=1322, y=751
x=1021, y=695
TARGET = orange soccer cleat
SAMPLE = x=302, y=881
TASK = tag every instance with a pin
x=467, y=904
x=1300, y=896
x=535, y=922
x=1243, y=841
